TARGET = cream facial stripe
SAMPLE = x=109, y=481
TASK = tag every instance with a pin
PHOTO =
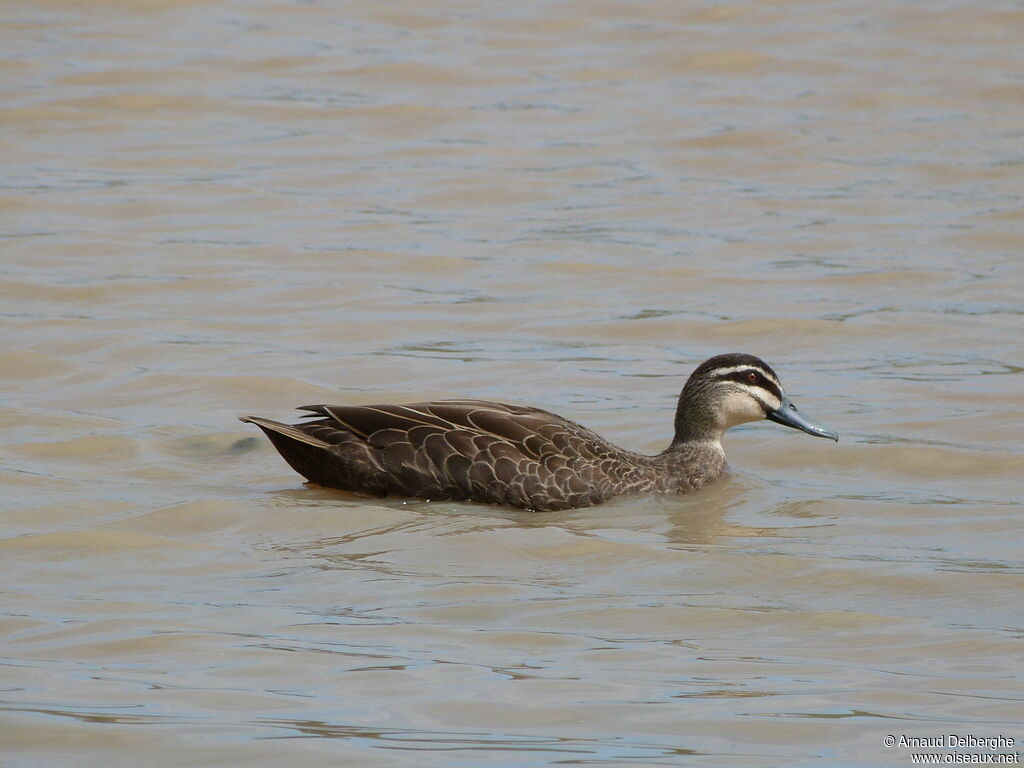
x=764, y=397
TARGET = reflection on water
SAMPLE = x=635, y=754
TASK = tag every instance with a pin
x=216, y=209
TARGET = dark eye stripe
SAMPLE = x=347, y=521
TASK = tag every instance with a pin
x=740, y=377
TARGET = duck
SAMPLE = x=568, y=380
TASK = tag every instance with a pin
x=524, y=457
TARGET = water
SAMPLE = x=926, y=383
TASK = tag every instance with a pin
x=215, y=208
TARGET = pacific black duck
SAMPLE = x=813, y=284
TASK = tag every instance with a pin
x=475, y=450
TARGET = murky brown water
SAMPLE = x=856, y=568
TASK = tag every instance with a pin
x=213, y=208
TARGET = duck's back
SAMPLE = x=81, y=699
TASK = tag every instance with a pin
x=460, y=449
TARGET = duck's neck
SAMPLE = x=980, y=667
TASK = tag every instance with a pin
x=694, y=459
x=697, y=422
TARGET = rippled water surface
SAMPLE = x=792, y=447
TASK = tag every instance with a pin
x=218, y=208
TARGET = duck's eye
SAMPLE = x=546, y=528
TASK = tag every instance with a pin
x=752, y=377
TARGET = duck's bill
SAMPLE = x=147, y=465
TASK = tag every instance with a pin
x=789, y=416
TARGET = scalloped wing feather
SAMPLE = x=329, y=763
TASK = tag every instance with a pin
x=460, y=450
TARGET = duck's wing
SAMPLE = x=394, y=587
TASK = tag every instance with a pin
x=452, y=449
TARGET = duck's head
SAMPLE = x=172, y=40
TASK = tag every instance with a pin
x=733, y=389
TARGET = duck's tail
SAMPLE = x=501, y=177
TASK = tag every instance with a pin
x=315, y=459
